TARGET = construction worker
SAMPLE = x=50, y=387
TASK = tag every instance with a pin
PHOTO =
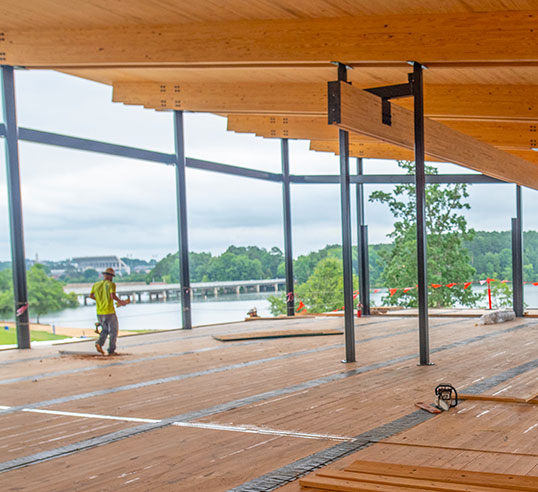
x=104, y=294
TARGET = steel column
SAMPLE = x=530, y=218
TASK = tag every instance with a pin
x=18, y=262
x=286, y=206
x=362, y=246
x=517, y=256
x=343, y=141
x=184, y=277
x=349, y=326
x=422, y=276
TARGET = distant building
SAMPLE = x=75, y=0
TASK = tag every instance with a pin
x=57, y=272
x=142, y=268
x=100, y=263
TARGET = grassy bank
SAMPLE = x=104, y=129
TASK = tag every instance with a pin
x=9, y=336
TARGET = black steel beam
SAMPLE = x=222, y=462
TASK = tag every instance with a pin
x=181, y=195
x=462, y=178
x=55, y=139
x=314, y=179
x=362, y=247
x=422, y=275
x=37, y=136
x=18, y=261
x=233, y=170
x=396, y=179
x=392, y=91
x=286, y=207
x=66, y=141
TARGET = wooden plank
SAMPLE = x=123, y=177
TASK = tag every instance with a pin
x=336, y=485
x=275, y=334
x=508, y=481
x=502, y=399
x=486, y=36
x=357, y=114
x=532, y=399
x=428, y=407
x=415, y=482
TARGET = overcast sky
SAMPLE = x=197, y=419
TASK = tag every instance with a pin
x=80, y=204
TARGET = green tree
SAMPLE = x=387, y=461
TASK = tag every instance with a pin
x=7, y=304
x=448, y=259
x=236, y=263
x=501, y=295
x=324, y=290
x=164, y=269
x=304, y=265
x=90, y=275
x=278, y=304
x=198, y=266
x=46, y=294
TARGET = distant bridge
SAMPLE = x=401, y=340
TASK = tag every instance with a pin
x=134, y=292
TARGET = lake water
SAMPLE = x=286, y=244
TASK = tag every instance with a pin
x=167, y=315
x=226, y=308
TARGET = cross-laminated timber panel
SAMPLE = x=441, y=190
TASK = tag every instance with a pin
x=358, y=111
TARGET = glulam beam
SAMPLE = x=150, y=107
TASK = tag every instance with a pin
x=393, y=152
x=494, y=103
x=259, y=98
x=483, y=36
x=368, y=150
x=355, y=110
x=514, y=136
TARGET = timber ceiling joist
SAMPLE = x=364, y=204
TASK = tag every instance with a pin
x=505, y=136
x=442, y=102
x=263, y=61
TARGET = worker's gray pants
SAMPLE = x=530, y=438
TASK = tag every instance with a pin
x=109, y=325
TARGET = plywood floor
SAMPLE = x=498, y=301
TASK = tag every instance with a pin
x=182, y=411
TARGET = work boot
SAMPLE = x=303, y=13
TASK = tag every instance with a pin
x=99, y=348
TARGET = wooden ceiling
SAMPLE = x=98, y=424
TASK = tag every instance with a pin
x=266, y=63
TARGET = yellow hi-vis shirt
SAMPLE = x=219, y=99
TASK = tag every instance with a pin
x=102, y=290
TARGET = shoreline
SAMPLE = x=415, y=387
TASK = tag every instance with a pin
x=72, y=332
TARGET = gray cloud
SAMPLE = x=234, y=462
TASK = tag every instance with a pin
x=78, y=203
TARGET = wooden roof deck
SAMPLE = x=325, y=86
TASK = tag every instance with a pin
x=272, y=59
x=182, y=411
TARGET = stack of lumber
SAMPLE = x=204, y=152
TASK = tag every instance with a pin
x=387, y=477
